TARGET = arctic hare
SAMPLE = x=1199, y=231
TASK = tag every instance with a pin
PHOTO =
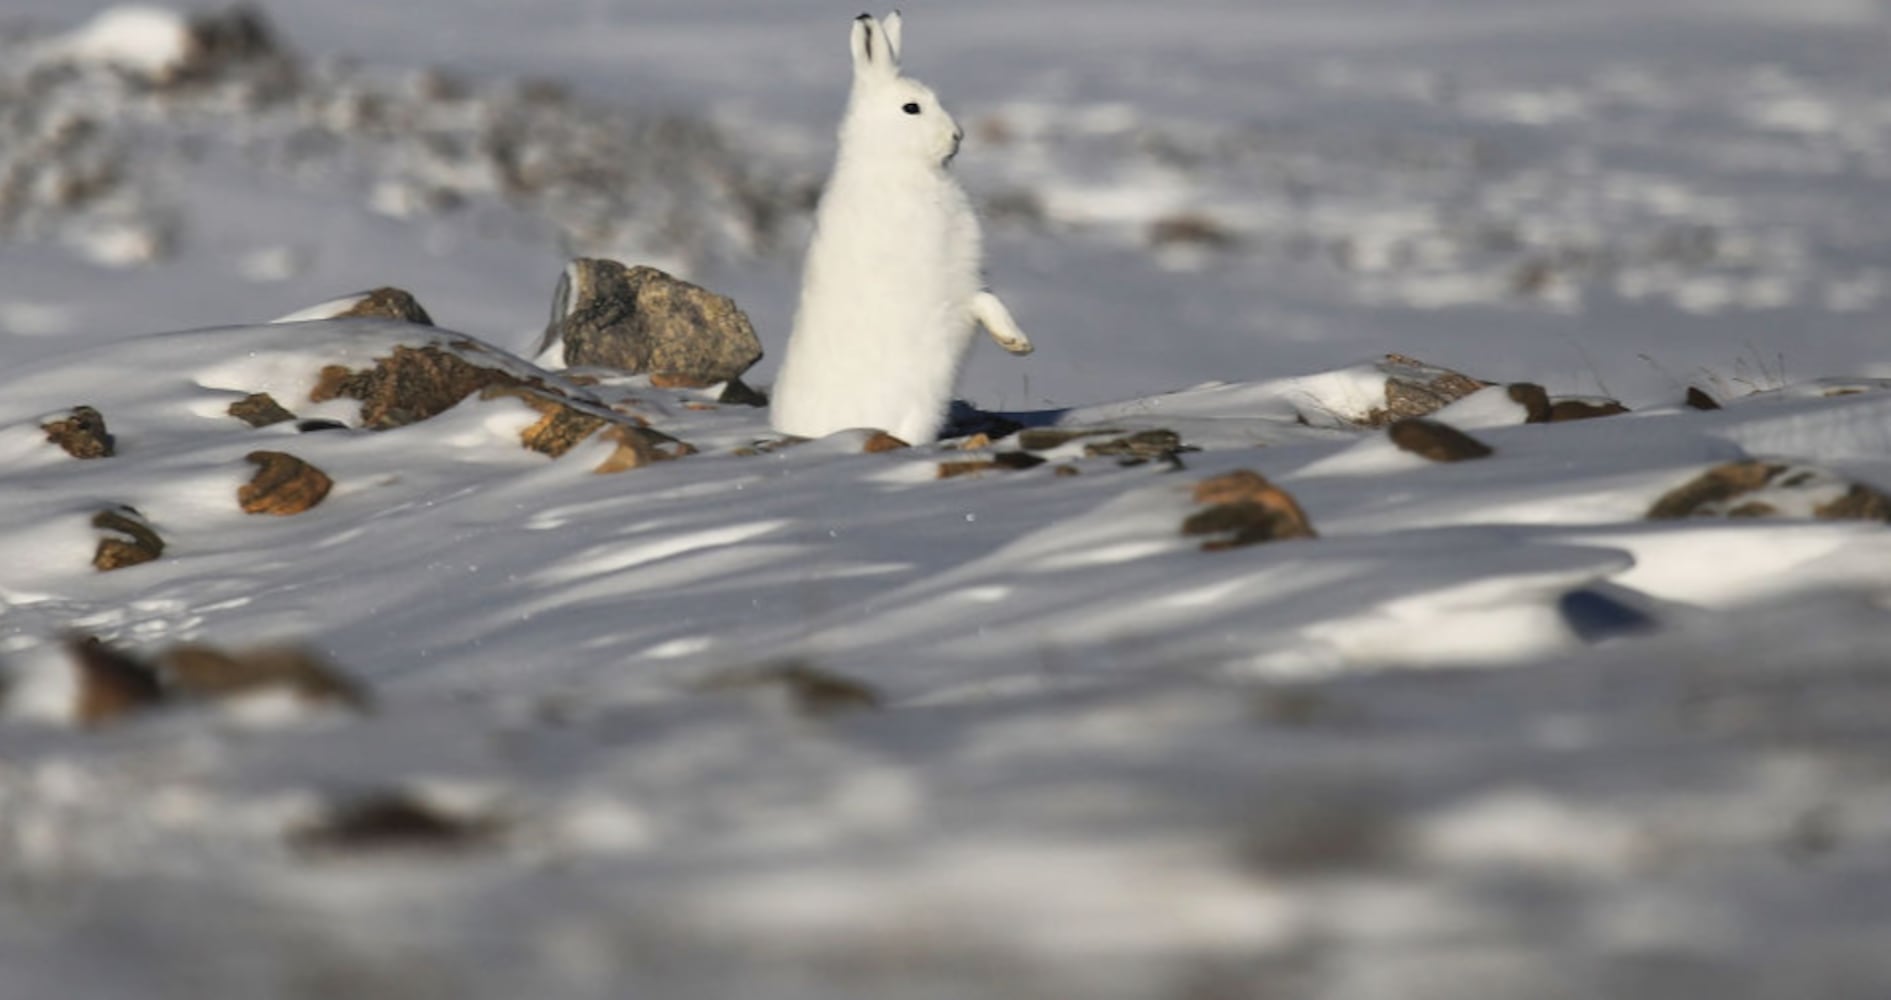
x=891, y=286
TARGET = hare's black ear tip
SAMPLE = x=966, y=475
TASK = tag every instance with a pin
x=864, y=17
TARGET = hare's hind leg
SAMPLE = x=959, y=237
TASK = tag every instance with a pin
x=996, y=319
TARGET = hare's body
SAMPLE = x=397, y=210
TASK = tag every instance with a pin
x=891, y=287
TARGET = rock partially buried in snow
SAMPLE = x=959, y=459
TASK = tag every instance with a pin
x=1414, y=388
x=1753, y=488
x=129, y=539
x=1245, y=509
x=1436, y=441
x=1564, y=410
x=212, y=674
x=260, y=409
x=882, y=442
x=112, y=684
x=283, y=485
x=81, y=433
x=642, y=320
x=413, y=384
x=385, y=302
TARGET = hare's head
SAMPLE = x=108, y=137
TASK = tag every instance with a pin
x=890, y=115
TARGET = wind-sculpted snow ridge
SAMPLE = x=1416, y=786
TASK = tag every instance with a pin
x=804, y=719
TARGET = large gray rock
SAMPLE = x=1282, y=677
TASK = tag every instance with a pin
x=640, y=319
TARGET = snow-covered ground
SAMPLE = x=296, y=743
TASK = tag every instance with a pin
x=813, y=722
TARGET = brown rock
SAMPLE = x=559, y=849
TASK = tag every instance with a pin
x=1191, y=229
x=393, y=821
x=131, y=540
x=679, y=380
x=1700, y=400
x=882, y=442
x=414, y=384
x=1247, y=510
x=1715, y=486
x=1580, y=409
x=640, y=319
x=1534, y=400
x=409, y=385
x=212, y=674
x=387, y=303
x=1067, y=471
x=811, y=690
x=1860, y=503
x=283, y=485
x=1139, y=447
x=968, y=467
x=1414, y=389
x=1047, y=438
x=1436, y=441
x=259, y=410
x=82, y=434
x=638, y=447
x=112, y=684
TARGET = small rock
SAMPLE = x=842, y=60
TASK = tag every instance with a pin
x=1715, y=486
x=283, y=485
x=1415, y=389
x=212, y=674
x=1860, y=503
x=317, y=425
x=1583, y=409
x=259, y=410
x=1067, y=471
x=1190, y=229
x=1247, y=510
x=112, y=684
x=975, y=442
x=673, y=380
x=1699, y=400
x=638, y=447
x=82, y=434
x=131, y=540
x=1013, y=460
x=1141, y=446
x=1534, y=400
x=640, y=319
x=1436, y=441
x=387, y=303
x=811, y=690
x=882, y=442
x=396, y=821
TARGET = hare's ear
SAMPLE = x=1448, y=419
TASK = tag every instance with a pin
x=891, y=26
x=872, y=55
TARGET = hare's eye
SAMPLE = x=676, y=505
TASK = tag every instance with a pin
x=911, y=108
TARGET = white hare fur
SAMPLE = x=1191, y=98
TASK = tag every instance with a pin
x=891, y=287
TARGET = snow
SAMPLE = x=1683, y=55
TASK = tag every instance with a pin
x=1492, y=733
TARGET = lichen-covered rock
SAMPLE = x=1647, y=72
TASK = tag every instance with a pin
x=283, y=485
x=81, y=433
x=640, y=320
x=129, y=539
x=1436, y=441
x=385, y=302
x=413, y=384
x=1142, y=446
x=562, y=426
x=1245, y=509
x=1415, y=389
x=260, y=409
